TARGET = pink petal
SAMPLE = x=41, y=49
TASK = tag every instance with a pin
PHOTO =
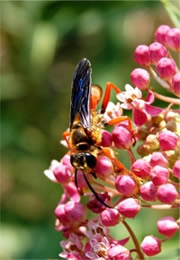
x=153, y=111
x=150, y=97
x=139, y=117
x=71, y=191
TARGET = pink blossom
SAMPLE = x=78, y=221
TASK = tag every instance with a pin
x=72, y=248
x=168, y=140
x=151, y=245
x=141, y=168
x=95, y=205
x=106, y=138
x=167, y=193
x=142, y=110
x=119, y=253
x=110, y=217
x=129, y=207
x=62, y=173
x=161, y=34
x=125, y=185
x=141, y=55
x=159, y=175
x=176, y=84
x=122, y=137
x=156, y=52
x=72, y=192
x=75, y=211
x=157, y=158
x=140, y=78
x=167, y=226
x=166, y=68
x=49, y=173
x=112, y=111
x=173, y=39
x=148, y=191
x=176, y=169
x=104, y=166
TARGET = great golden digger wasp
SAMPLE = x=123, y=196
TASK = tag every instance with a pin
x=86, y=124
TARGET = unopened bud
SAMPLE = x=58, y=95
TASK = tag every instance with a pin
x=151, y=245
x=167, y=193
x=141, y=55
x=129, y=207
x=110, y=217
x=140, y=78
x=156, y=52
x=167, y=226
x=166, y=68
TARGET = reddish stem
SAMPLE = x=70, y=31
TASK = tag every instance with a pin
x=136, y=243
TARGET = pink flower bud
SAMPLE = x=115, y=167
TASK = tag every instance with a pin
x=148, y=191
x=61, y=214
x=173, y=39
x=157, y=158
x=159, y=175
x=96, y=206
x=156, y=52
x=66, y=160
x=122, y=137
x=110, y=217
x=140, y=78
x=176, y=169
x=141, y=168
x=104, y=166
x=167, y=226
x=129, y=207
x=62, y=173
x=75, y=211
x=125, y=185
x=151, y=245
x=167, y=193
x=168, y=140
x=176, y=83
x=141, y=55
x=106, y=138
x=72, y=192
x=119, y=252
x=166, y=68
x=161, y=33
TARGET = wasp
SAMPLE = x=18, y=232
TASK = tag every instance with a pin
x=85, y=124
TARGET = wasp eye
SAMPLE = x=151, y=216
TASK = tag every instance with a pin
x=90, y=160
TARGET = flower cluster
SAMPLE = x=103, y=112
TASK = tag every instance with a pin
x=151, y=180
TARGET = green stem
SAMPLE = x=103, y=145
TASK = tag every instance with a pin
x=136, y=243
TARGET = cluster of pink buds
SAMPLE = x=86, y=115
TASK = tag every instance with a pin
x=151, y=180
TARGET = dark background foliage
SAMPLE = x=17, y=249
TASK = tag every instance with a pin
x=41, y=42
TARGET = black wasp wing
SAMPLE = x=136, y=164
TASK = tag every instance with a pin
x=81, y=90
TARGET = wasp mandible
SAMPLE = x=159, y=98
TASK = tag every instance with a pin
x=86, y=124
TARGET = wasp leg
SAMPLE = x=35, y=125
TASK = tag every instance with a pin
x=65, y=136
x=96, y=94
x=94, y=192
x=94, y=175
x=116, y=162
x=121, y=119
x=107, y=94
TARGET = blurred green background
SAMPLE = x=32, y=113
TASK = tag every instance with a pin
x=41, y=42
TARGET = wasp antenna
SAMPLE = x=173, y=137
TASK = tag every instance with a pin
x=75, y=179
x=94, y=192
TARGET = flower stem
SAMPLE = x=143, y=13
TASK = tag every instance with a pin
x=131, y=156
x=174, y=101
x=138, y=249
x=166, y=206
x=163, y=83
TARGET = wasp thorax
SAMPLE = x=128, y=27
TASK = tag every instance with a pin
x=83, y=161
